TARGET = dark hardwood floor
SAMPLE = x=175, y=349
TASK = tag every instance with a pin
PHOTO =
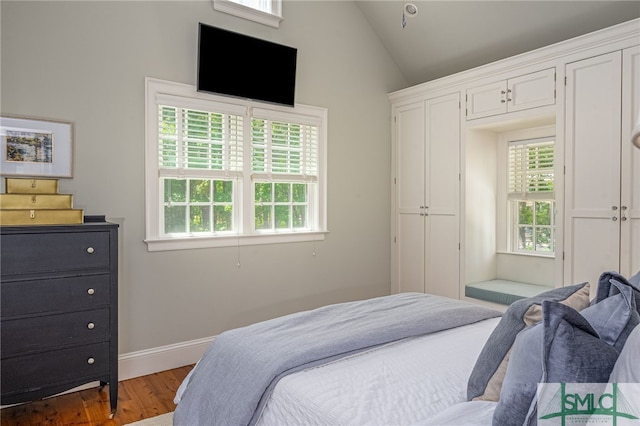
x=138, y=398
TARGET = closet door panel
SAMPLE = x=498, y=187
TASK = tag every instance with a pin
x=410, y=182
x=410, y=252
x=592, y=176
x=410, y=197
x=443, y=258
x=443, y=195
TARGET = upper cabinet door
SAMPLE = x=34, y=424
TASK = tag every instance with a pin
x=515, y=94
x=532, y=90
x=486, y=100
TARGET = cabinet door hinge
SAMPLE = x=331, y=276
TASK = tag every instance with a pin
x=565, y=80
x=395, y=240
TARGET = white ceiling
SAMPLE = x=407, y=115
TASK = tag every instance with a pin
x=450, y=36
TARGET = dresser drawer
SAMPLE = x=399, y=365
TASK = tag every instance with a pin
x=51, y=252
x=53, y=331
x=54, y=295
x=46, y=369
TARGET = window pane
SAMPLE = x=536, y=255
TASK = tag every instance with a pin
x=199, y=191
x=282, y=217
x=263, y=5
x=263, y=217
x=175, y=219
x=525, y=238
x=543, y=240
x=175, y=190
x=222, y=191
x=200, y=219
x=525, y=213
x=263, y=192
x=282, y=192
x=223, y=218
x=299, y=216
x=543, y=213
x=299, y=192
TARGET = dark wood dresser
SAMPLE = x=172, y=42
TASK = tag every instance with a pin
x=59, y=309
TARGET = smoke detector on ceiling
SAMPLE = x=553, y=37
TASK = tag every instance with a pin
x=408, y=10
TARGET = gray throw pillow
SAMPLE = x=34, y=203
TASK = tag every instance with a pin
x=563, y=348
x=605, y=288
x=614, y=314
x=490, y=368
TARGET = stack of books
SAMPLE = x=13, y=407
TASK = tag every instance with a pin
x=36, y=202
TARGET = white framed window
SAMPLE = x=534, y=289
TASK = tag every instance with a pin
x=526, y=196
x=267, y=12
x=531, y=195
x=224, y=172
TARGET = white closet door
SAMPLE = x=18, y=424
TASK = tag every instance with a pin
x=442, y=235
x=592, y=176
x=630, y=190
x=410, y=197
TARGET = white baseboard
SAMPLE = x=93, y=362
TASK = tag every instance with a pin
x=149, y=361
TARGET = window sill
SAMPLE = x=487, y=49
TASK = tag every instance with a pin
x=544, y=256
x=186, y=243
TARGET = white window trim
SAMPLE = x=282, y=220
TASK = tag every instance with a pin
x=154, y=89
x=232, y=8
x=504, y=236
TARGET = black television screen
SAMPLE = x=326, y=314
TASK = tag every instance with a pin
x=234, y=64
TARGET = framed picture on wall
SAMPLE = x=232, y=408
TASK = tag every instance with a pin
x=36, y=147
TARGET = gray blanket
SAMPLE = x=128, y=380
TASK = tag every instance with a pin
x=233, y=380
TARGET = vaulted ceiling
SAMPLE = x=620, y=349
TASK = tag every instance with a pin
x=445, y=37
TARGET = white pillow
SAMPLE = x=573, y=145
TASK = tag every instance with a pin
x=627, y=367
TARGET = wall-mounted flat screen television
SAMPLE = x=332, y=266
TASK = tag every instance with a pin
x=237, y=65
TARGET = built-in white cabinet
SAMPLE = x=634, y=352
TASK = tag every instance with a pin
x=427, y=193
x=531, y=90
x=602, y=175
x=446, y=182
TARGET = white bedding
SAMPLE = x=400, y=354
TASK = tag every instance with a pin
x=404, y=383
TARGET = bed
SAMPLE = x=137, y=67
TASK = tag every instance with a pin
x=416, y=359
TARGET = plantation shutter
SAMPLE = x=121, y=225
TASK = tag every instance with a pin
x=198, y=142
x=531, y=169
x=283, y=149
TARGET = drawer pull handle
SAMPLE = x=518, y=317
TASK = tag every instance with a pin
x=91, y=361
x=91, y=326
x=91, y=291
x=90, y=250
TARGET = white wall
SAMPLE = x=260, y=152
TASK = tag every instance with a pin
x=85, y=61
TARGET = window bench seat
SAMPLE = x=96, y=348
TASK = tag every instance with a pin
x=503, y=292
